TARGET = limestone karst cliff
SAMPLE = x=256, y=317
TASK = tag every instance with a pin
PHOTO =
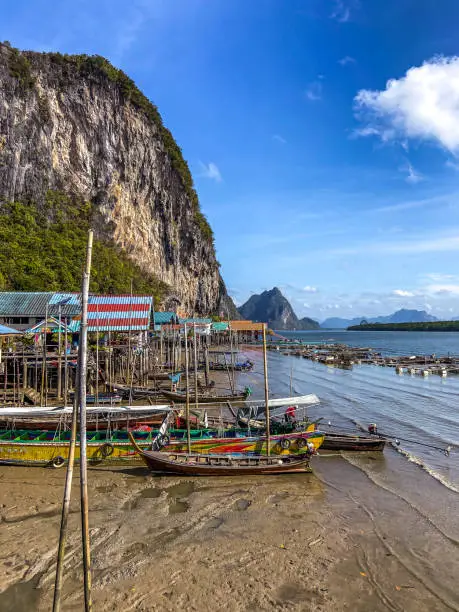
x=78, y=126
x=273, y=308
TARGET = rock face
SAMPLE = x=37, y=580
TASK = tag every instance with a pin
x=77, y=125
x=273, y=308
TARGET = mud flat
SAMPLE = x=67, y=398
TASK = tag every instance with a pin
x=364, y=532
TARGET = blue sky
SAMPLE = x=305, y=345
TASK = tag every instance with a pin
x=316, y=174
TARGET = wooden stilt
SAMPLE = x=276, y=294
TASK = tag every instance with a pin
x=265, y=369
x=82, y=400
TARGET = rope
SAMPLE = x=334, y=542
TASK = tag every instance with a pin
x=394, y=439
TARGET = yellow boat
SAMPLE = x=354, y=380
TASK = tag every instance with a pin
x=46, y=448
x=49, y=448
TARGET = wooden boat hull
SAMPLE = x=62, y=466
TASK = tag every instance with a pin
x=289, y=444
x=55, y=454
x=47, y=448
x=116, y=422
x=180, y=398
x=348, y=442
x=102, y=398
x=220, y=465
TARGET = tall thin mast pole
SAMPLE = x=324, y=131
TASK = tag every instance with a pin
x=78, y=400
x=65, y=510
x=265, y=367
x=59, y=358
x=195, y=339
x=66, y=374
x=43, y=365
x=187, y=400
x=83, y=356
x=97, y=355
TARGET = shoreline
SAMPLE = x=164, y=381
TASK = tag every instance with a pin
x=344, y=537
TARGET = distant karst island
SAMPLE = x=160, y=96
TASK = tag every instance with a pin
x=274, y=309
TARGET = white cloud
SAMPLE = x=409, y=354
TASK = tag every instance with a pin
x=412, y=176
x=341, y=12
x=443, y=289
x=440, y=244
x=314, y=91
x=347, y=59
x=436, y=202
x=402, y=293
x=279, y=138
x=424, y=104
x=452, y=165
x=309, y=289
x=210, y=171
x=438, y=277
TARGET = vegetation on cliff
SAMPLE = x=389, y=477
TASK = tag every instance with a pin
x=21, y=67
x=425, y=326
x=43, y=249
x=88, y=64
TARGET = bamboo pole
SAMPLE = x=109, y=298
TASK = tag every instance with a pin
x=195, y=348
x=97, y=354
x=265, y=368
x=78, y=400
x=187, y=396
x=43, y=364
x=65, y=511
x=83, y=355
x=59, y=358
x=66, y=365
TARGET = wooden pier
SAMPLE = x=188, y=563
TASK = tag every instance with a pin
x=344, y=356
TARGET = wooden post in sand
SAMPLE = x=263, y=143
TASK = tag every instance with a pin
x=80, y=400
x=265, y=368
x=187, y=400
x=83, y=357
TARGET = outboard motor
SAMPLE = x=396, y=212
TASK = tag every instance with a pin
x=372, y=429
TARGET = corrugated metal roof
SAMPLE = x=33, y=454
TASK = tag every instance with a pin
x=105, y=312
x=70, y=303
x=34, y=303
x=163, y=317
x=220, y=326
x=114, y=300
x=119, y=312
x=196, y=320
x=22, y=303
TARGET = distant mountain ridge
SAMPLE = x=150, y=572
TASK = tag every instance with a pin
x=273, y=308
x=403, y=315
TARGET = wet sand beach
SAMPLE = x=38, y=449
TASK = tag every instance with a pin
x=347, y=537
x=363, y=532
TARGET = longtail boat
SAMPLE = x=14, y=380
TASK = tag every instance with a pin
x=238, y=442
x=197, y=464
x=135, y=392
x=180, y=398
x=349, y=442
x=162, y=375
x=31, y=447
x=102, y=398
x=49, y=448
x=245, y=366
x=99, y=417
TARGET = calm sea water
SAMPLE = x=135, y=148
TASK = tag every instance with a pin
x=388, y=343
x=422, y=413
